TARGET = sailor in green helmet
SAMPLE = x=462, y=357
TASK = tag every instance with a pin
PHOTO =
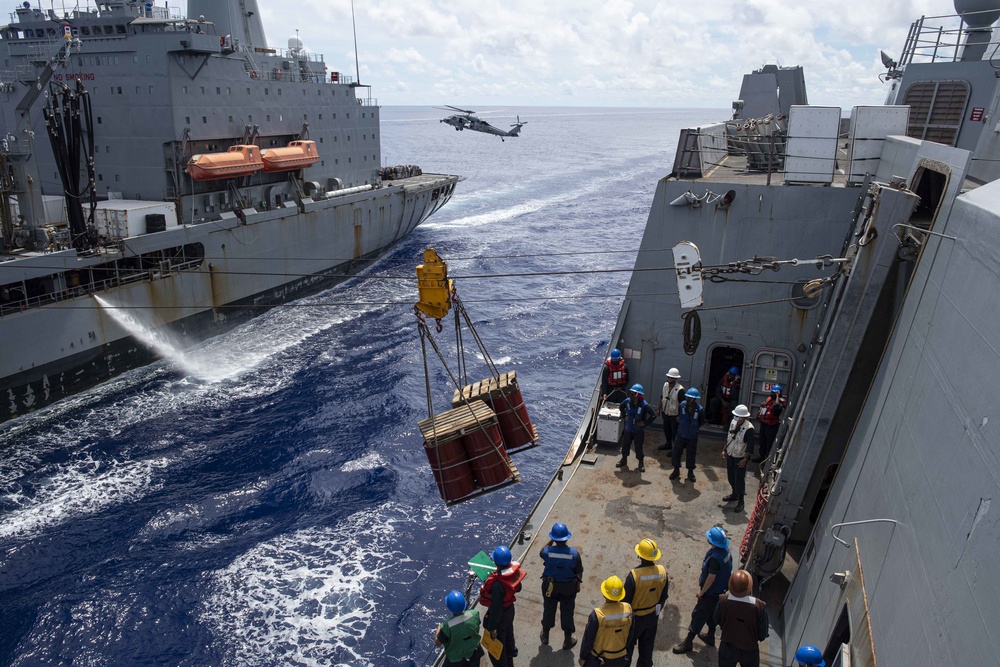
x=460, y=634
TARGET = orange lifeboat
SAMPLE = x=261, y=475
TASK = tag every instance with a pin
x=297, y=155
x=239, y=160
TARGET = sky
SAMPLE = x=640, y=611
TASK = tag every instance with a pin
x=674, y=53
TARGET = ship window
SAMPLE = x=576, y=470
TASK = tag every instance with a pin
x=120, y=29
x=305, y=116
x=229, y=91
x=248, y=91
x=100, y=177
x=321, y=116
x=149, y=59
x=936, y=110
x=135, y=59
x=204, y=119
x=116, y=60
x=97, y=61
x=203, y=90
x=267, y=91
x=348, y=115
x=150, y=90
x=99, y=121
x=348, y=160
x=218, y=90
x=187, y=120
x=138, y=89
x=321, y=140
x=335, y=116
x=108, y=30
x=230, y=119
x=85, y=30
x=249, y=119
x=119, y=90
x=279, y=92
x=268, y=118
x=79, y=62
x=116, y=178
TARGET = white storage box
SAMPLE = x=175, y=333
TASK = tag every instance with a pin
x=609, y=424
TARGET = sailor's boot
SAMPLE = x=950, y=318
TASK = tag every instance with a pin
x=569, y=642
x=642, y=468
x=622, y=463
x=544, y=636
x=708, y=637
x=739, y=505
x=676, y=473
x=685, y=645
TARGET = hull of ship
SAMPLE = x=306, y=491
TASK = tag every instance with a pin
x=276, y=256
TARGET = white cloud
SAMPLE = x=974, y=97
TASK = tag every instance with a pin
x=601, y=52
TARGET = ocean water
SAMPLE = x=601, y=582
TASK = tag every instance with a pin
x=266, y=499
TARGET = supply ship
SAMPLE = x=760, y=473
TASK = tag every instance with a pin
x=851, y=255
x=181, y=170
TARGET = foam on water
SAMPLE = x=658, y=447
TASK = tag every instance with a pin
x=312, y=592
x=79, y=489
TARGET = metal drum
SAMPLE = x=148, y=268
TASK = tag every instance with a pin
x=451, y=468
x=487, y=455
x=512, y=416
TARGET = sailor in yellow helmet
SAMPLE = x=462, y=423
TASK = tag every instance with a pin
x=646, y=590
x=608, y=636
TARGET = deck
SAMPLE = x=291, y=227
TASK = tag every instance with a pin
x=608, y=511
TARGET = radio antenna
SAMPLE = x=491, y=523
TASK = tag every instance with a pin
x=354, y=26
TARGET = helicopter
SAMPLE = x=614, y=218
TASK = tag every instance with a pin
x=466, y=120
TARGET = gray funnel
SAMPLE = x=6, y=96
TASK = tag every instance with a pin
x=239, y=18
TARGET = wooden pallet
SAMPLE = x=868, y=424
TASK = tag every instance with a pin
x=456, y=422
x=489, y=388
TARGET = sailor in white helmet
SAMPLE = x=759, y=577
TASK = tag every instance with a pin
x=740, y=442
x=670, y=402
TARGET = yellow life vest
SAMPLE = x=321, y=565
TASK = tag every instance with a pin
x=649, y=584
x=614, y=621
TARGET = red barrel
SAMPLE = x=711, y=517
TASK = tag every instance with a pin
x=513, y=417
x=487, y=455
x=451, y=469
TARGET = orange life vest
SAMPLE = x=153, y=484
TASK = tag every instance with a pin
x=766, y=411
x=511, y=579
x=616, y=373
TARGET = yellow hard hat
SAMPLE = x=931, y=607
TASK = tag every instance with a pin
x=647, y=550
x=613, y=589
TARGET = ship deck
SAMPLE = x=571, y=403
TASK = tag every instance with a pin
x=608, y=512
x=733, y=169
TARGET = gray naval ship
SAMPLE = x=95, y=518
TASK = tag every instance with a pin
x=853, y=257
x=180, y=169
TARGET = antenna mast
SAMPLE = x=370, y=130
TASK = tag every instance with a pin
x=354, y=26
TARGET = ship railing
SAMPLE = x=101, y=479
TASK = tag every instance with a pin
x=86, y=8
x=937, y=39
x=123, y=277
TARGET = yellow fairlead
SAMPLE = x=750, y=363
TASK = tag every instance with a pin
x=433, y=286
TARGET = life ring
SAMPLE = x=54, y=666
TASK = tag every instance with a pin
x=253, y=74
x=277, y=74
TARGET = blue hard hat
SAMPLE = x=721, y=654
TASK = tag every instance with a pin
x=637, y=388
x=810, y=655
x=776, y=387
x=455, y=601
x=717, y=537
x=501, y=556
x=693, y=393
x=560, y=533
x=735, y=370
x=616, y=354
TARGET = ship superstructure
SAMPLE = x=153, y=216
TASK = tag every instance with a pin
x=202, y=175
x=849, y=255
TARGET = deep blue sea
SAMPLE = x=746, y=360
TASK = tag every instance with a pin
x=268, y=501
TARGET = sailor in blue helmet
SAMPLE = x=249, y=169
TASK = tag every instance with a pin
x=498, y=596
x=460, y=634
x=769, y=416
x=716, y=568
x=637, y=413
x=727, y=394
x=561, y=579
x=809, y=656
x=690, y=418
x=614, y=376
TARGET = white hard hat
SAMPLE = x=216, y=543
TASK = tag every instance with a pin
x=673, y=373
x=741, y=411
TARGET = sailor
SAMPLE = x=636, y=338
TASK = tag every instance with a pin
x=737, y=452
x=809, y=656
x=726, y=392
x=460, y=634
x=646, y=589
x=561, y=579
x=691, y=417
x=614, y=375
x=670, y=402
x=743, y=621
x=769, y=416
x=609, y=629
x=716, y=568
x=498, y=596
x=637, y=414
